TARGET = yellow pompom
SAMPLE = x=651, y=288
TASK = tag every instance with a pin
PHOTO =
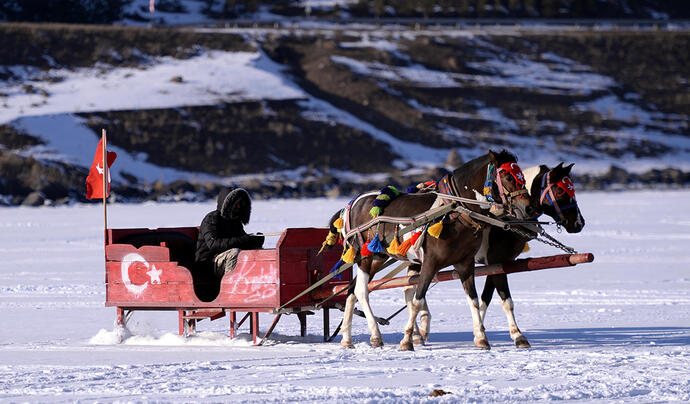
x=338, y=223
x=330, y=241
x=525, y=249
x=435, y=230
x=393, y=247
x=349, y=256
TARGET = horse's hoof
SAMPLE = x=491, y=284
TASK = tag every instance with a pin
x=418, y=340
x=521, y=342
x=347, y=344
x=482, y=343
x=406, y=346
x=376, y=342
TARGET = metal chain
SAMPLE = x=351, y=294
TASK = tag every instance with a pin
x=543, y=237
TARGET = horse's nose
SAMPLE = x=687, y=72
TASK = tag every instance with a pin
x=529, y=210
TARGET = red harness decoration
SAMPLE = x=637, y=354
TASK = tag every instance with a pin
x=514, y=170
x=566, y=184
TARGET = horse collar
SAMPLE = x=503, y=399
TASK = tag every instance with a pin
x=447, y=185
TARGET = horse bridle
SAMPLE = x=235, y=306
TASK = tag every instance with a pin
x=566, y=184
x=513, y=170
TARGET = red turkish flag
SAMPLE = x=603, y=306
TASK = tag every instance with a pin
x=94, y=182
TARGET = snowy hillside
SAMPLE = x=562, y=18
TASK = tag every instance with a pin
x=275, y=108
x=615, y=330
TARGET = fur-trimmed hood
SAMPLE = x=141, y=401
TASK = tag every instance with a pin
x=228, y=198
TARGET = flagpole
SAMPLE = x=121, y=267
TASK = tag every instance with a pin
x=105, y=185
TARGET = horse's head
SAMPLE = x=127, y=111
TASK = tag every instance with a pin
x=509, y=186
x=557, y=199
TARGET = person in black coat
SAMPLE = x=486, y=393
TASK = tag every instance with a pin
x=222, y=235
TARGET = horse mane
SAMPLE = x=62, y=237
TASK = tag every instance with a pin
x=504, y=156
x=461, y=173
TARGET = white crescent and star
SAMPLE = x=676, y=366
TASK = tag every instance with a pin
x=153, y=273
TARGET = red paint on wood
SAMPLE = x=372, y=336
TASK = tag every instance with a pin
x=263, y=279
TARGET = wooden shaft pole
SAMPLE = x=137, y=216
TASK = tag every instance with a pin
x=521, y=265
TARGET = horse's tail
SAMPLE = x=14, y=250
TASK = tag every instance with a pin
x=332, y=237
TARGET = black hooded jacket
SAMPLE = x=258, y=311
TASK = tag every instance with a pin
x=223, y=228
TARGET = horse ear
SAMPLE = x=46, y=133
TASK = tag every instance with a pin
x=568, y=168
x=492, y=156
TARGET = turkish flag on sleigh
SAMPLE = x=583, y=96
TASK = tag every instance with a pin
x=94, y=182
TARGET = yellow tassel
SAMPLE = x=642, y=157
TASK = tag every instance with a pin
x=338, y=223
x=435, y=230
x=526, y=248
x=393, y=247
x=349, y=256
x=332, y=238
x=330, y=241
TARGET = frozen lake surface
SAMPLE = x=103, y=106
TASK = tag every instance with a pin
x=617, y=329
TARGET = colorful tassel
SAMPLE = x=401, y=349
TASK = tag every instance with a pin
x=393, y=247
x=405, y=246
x=375, y=211
x=349, y=256
x=390, y=191
x=411, y=189
x=330, y=241
x=435, y=230
x=335, y=268
x=375, y=245
x=365, y=250
x=338, y=223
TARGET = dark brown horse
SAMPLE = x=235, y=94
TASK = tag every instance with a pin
x=552, y=192
x=457, y=244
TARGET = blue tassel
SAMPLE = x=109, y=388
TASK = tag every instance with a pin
x=390, y=191
x=411, y=189
x=335, y=268
x=381, y=203
x=375, y=245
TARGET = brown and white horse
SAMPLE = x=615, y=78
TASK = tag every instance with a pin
x=456, y=245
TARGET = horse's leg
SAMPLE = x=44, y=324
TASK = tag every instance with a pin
x=346, y=328
x=417, y=303
x=420, y=334
x=503, y=290
x=362, y=294
x=466, y=271
x=487, y=294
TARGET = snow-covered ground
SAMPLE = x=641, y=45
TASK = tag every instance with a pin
x=615, y=330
